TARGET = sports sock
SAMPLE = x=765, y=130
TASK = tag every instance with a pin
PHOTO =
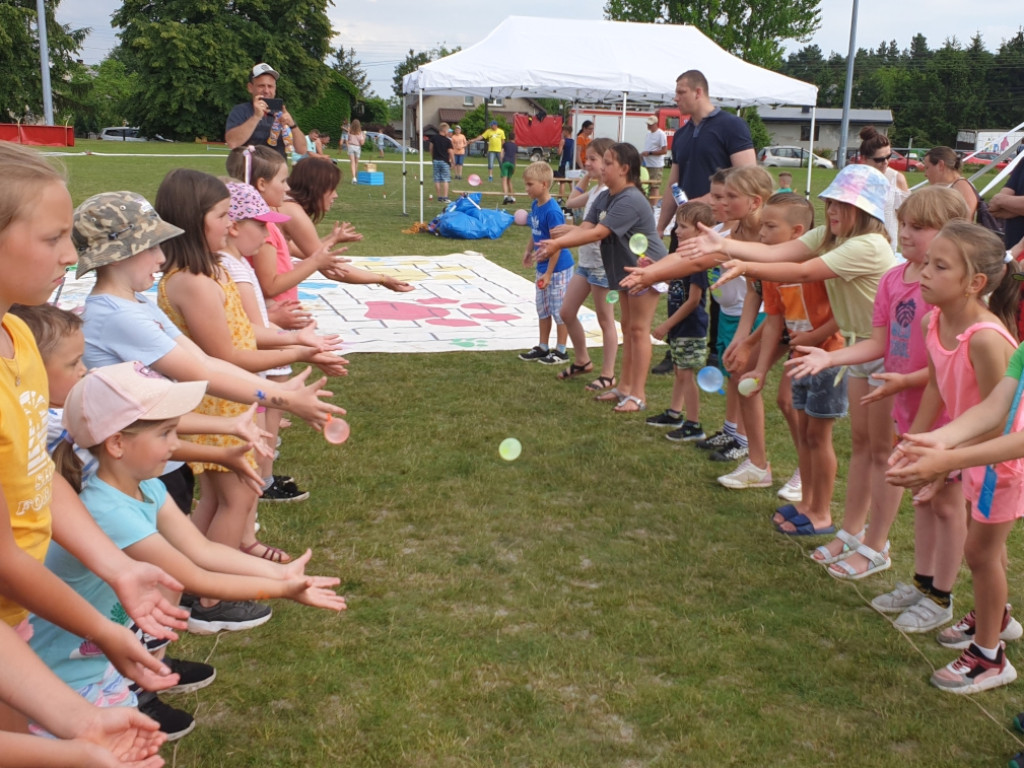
x=988, y=653
x=267, y=482
x=922, y=582
x=673, y=413
x=561, y=348
x=941, y=598
x=544, y=347
x=741, y=439
x=729, y=428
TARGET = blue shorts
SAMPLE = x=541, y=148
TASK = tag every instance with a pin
x=819, y=396
x=596, y=276
x=549, y=301
x=459, y=159
x=442, y=171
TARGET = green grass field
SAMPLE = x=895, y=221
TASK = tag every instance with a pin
x=601, y=601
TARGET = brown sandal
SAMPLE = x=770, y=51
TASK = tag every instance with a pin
x=273, y=554
x=575, y=370
x=601, y=383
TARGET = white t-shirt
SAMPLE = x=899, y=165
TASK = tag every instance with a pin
x=653, y=141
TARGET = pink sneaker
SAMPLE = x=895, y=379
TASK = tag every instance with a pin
x=961, y=634
x=972, y=672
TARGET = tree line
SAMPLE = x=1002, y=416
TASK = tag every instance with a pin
x=182, y=64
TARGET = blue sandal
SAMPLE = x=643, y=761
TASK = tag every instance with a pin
x=804, y=527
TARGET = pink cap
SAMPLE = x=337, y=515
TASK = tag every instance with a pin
x=248, y=203
x=109, y=399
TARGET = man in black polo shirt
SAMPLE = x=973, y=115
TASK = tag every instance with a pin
x=255, y=123
x=710, y=140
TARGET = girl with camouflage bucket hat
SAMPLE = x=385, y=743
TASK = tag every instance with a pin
x=122, y=324
x=850, y=253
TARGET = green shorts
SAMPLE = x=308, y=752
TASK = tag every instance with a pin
x=689, y=352
x=507, y=169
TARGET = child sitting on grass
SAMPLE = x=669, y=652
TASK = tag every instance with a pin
x=553, y=274
x=686, y=328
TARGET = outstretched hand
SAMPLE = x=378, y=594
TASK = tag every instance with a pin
x=708, y=242
x=813, y=360
x=120, y=737
x=137, y=587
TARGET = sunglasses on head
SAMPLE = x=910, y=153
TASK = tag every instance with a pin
x=882, y=159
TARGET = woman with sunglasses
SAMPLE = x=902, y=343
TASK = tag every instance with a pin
x=942, y=168
x=875, y=151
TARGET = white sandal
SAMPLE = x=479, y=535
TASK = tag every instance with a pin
x=850, y=544
x=877, y=562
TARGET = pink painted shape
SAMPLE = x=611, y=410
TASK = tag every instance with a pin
x=452, y=323
x=481, y=305
x=401, y=310
x=437, y=300
x=494, y=317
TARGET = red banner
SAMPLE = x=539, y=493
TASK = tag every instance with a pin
x=531, y=132
x=38, y=135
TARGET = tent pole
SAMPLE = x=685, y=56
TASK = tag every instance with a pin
x=405, y=139
x=419, y=138
x=622, y=122
x=810, y=157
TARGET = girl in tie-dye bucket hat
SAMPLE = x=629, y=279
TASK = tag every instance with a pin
x=850, y=252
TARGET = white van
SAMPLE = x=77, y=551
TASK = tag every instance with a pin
x=122, y=134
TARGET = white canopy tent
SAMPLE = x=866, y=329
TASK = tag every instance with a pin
x=636, y=63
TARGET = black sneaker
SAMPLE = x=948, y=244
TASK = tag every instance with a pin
x=534, y=354
x=192, y=675
x=227, y=615
x=666, y=418
x=687, y=433
x=283, y=489
x=554, y=357
x=174, y=722
x=731, y=452
x=713, y=443
x=665, y=366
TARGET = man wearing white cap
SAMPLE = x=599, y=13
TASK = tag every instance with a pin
x=258, y=122
x=655, y=149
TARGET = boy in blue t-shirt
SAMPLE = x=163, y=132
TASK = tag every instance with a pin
x=686, y=329
x=552, y=274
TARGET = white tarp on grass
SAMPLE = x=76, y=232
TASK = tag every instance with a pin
x=462, y=301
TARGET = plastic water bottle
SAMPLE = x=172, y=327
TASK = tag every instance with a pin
x=679, y=195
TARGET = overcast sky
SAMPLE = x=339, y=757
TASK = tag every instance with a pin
x=383, y=31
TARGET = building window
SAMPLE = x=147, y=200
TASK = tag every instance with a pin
x=467, y=101
x=805, y=132
x=496, y=102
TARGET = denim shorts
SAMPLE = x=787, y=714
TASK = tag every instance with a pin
x=819, y=396
x=442, y=171
x=595, y=275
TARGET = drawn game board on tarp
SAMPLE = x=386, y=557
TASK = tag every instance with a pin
x=462, y=301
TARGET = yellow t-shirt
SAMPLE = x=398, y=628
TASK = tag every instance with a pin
x=495, y=139
x=859, y=263
x=26, y=470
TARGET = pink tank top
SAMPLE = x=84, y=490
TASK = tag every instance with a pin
x=958, y=386
x=284, y=260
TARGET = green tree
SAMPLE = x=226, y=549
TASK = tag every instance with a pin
x=104, y=92
x=413, y=60
x=347, y=64
x=754, y=31
x=193, y=57
x=21, y=87
x=1007, y=82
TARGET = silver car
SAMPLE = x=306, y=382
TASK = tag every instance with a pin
x=790, y=157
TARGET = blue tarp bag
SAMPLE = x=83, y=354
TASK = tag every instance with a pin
x=464, y=219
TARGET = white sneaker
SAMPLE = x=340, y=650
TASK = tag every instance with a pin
x=793, y=489
x=746, y=475
x=897, y=601
x=924, y=615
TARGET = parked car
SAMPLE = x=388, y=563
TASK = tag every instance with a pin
x=390, y=144
x=790, y=157
x=120, y=133
x=985, y=158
